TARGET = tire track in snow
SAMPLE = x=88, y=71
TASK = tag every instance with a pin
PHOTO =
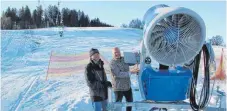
x=44, y=91
x=21, y=99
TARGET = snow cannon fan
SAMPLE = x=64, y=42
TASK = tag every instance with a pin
x=172, y=37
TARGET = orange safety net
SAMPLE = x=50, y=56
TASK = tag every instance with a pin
x=220, y=72
x=68, y=65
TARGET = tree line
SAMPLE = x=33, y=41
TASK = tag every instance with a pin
x=24, y=18
x=134, y=23
x=217, y=40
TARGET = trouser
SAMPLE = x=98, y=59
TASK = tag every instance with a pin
x=128, y=96
x=100, y=106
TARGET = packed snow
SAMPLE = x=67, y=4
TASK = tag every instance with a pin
x=25, y=56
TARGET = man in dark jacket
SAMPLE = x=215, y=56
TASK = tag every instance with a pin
x=97, y=82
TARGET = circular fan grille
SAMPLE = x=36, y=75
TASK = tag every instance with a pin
x=175, y=39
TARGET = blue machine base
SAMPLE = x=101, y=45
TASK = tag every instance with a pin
x=167, y=85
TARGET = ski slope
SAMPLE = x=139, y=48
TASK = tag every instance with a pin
x=25, y=57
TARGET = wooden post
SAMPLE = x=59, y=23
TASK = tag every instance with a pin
x=48, y=65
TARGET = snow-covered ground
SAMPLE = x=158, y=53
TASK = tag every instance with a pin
x=25, y=56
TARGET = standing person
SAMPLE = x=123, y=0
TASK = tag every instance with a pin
x=121, y=78
x=97, y=82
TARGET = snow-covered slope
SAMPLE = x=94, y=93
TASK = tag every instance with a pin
x=25, y=57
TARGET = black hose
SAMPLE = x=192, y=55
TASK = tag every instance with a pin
x=206, y=84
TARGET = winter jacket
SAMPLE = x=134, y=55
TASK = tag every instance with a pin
x=120, y=75
x=95, y=76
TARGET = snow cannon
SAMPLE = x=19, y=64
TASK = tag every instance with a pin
x=173, y=36
x=171, y=49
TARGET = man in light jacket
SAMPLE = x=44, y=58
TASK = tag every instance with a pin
x=120, y=74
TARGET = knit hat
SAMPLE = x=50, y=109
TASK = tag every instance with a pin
x=93, y=51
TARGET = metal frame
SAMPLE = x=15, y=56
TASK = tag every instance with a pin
x=147, y=105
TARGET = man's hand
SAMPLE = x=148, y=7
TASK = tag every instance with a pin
x=107, y=84
x=135, y=70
